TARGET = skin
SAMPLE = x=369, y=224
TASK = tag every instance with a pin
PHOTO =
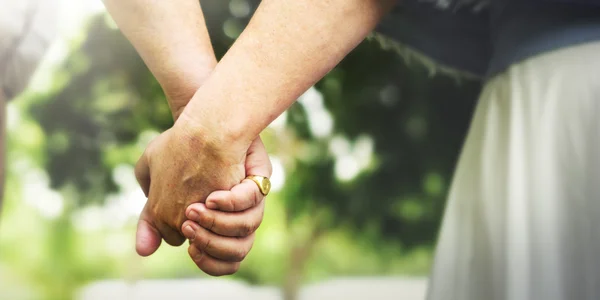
x=287, y=47
x=173, y=41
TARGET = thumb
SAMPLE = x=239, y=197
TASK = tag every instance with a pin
x=147, y=238
x=246, y=194
x=142, y=173
x=257, y=159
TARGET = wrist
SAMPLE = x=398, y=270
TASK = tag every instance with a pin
x=180, y=87
x=214, y=133
x=213, y=111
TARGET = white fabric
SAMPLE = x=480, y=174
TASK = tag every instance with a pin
x=523, y=215
x=26, y=29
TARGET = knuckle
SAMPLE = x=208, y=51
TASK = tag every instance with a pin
x=208, y=220
x=220, y=269
x=202, y=242
x=261, y=215
x=155, y=210
x=211, y=271
x=234, y=268
x=248, y=228
x=258, y=222
x=195, y=255
x=140, y=161
x=240, y=254
x=232, y=203
x=257, y=197
x=229, y=269
x=211, y=226
x=206, y=245
x=151, y=145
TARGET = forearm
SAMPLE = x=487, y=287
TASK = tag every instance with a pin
x=287, y=47
x=172, y=39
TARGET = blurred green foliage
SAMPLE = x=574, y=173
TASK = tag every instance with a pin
x=103, y=104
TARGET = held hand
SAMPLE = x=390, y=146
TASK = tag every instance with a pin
x=221, y=237
x=180, y=167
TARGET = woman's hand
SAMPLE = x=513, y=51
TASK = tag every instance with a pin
x=221, y=236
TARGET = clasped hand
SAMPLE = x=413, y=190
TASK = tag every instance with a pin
x=194, y=181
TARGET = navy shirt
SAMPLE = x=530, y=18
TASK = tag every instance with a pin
x=486, y=42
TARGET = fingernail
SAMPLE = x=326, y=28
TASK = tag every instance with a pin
x=193, y=215
x=211, y=205
x=189, y=232
x=196, y=254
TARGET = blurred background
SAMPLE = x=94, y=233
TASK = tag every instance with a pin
x=362, y=166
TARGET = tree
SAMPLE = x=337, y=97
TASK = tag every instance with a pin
x=416, y=124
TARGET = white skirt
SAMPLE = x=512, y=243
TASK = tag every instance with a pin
x=523, y=216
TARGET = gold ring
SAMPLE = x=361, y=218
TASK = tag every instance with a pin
x=264, y=184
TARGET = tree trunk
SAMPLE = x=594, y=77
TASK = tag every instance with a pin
x=299, y=255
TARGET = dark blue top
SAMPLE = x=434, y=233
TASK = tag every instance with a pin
x=487, y=42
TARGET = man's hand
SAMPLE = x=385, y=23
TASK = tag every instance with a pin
x=180, y=167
